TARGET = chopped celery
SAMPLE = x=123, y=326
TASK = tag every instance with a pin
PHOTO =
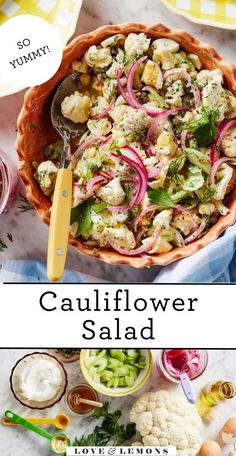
x=121, y=371
x=118, y=354
x=115, y=368
x=122, y=381
x=129, y=380
x=114, y=363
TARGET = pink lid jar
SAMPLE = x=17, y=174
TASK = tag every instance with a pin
x=8, y=182
x=171, y=362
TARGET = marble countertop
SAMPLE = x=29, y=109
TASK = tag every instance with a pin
x=19, y=442
x=28, y=232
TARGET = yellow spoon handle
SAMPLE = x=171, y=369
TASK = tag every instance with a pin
x=59, y=225
x=7, y=422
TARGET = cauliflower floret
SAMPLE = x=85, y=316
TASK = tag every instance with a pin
x=78, y=195
x=165, y=144
x=121, y=236
x=99, y=127
x=194, y=59
x=204, y=76
x=152, y=75
x=46, y=176
x=118, y=113
x=206, y=209
x=165, y=44
x=130, y=123
x=164, y=52
x=109, y=88
x=213, y=97
x=76, y=107
x=112, y=193
x=228, y=143
x=80, y=65
x=175, y=93
x=98, y=58
x=166, y=419
x=231, y=108
x=116, y=64
x=184, y=223
x=161, y=177
x=166, y=58
x=136, y=44
x=163, y=219
x=225, y=173
x=111, y=72
x=113, y=40
x=101, y=104
x=116, y=218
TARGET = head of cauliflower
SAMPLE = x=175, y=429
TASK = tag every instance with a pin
x=163, y=419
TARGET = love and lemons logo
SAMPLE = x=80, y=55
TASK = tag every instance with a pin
x=122, y=451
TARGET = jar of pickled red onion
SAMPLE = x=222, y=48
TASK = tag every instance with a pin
x=8, y=182
x=171, y=362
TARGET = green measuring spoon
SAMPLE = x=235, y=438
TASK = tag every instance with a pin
x=59, y=442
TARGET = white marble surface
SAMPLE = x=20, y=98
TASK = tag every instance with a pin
x=29, y=234
x=20, y=442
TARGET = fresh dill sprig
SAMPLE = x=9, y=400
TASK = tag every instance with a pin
x=10, y=237
x=26, y=205
x=3, y=246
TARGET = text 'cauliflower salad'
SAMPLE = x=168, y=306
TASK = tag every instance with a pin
x=154, y=168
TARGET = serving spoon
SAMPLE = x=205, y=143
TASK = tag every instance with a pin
x=59, y=442
x=61, y=205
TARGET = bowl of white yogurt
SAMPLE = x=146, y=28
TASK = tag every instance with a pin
x=38, y=380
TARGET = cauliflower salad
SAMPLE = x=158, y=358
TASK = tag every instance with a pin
x=155, y=166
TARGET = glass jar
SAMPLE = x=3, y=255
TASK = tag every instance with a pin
x=8, y=182
x=171, y=363
x=84, y=391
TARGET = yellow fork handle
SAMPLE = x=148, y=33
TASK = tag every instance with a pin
x=59, y=225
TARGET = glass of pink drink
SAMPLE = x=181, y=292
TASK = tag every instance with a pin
x=171, y=362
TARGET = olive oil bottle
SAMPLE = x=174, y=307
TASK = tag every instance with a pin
x=214, y=393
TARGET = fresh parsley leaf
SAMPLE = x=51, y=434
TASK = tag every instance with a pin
x=160, y=197
x=110, y=431
x=205, y=127
x=82, y=214
x=206, y=134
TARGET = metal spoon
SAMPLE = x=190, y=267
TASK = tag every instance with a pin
x=61, y=206
x=62, y=439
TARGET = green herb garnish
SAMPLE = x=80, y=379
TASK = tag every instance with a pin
x=109, y=432
x=204, y=128
x=160, y=197
x=176, y=165
x=3, y=246
x=32, y=126
x=26, y=205
x=98, y=207
x=9, y=236
x=82, y=214
x=205, y=194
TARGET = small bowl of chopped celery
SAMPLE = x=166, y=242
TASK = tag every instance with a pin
x=116, y=372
